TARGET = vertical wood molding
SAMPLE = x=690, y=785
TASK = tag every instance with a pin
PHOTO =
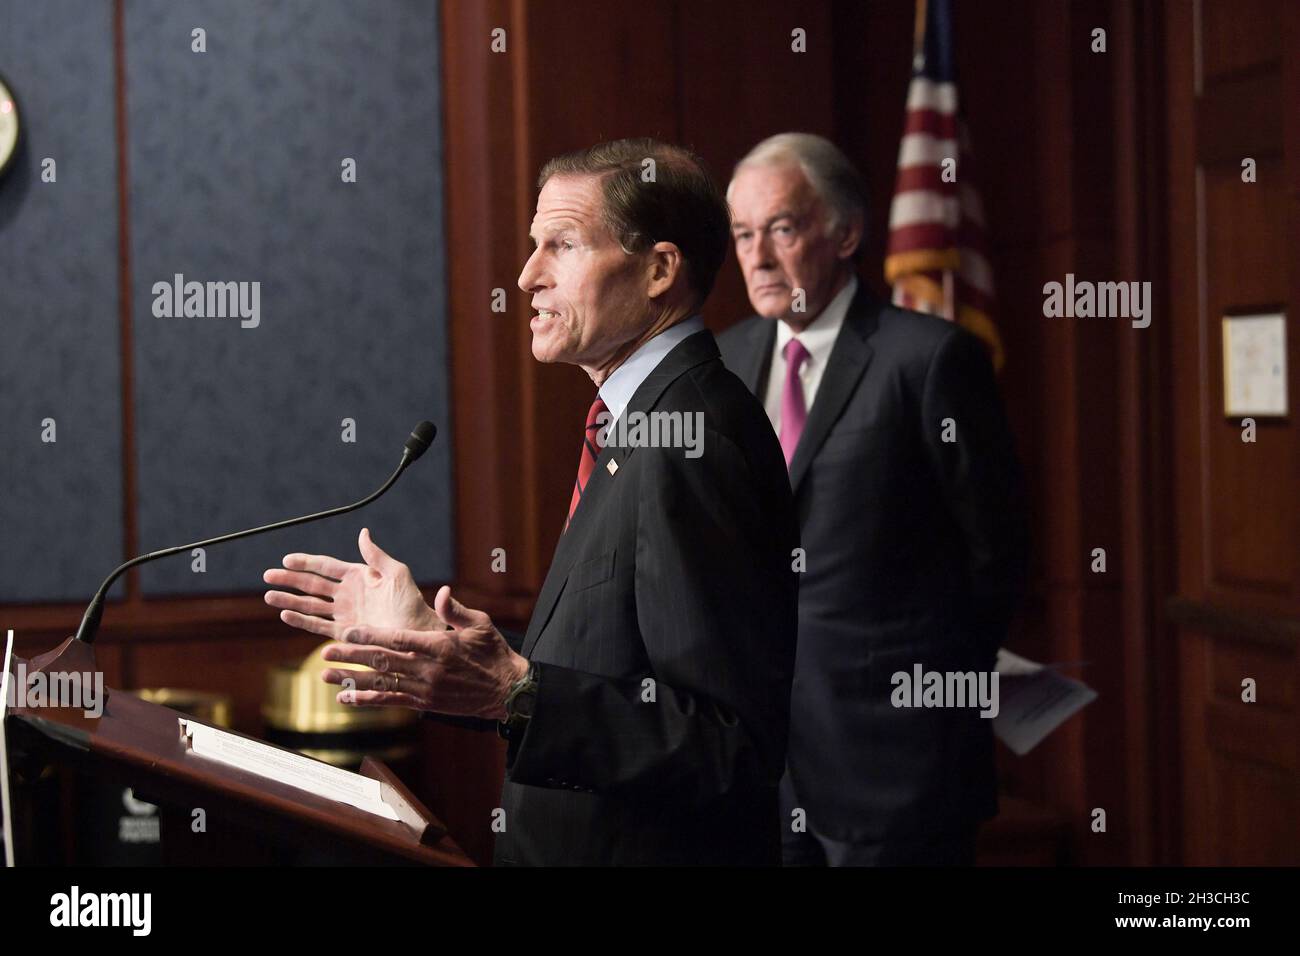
x=482, y=115
x=1150, y=700
x=130, y=532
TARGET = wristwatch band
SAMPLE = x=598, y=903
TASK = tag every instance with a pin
x=519, y=704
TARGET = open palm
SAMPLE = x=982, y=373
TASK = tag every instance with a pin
x=336, y=595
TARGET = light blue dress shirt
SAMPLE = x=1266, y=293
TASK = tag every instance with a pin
x=627, y=378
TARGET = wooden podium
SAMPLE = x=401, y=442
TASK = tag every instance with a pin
x=248, y=819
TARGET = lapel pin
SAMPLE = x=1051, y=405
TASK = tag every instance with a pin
x=612, y=465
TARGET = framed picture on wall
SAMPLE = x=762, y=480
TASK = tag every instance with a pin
x=1254, y=365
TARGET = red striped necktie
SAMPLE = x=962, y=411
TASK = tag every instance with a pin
x=590, y=452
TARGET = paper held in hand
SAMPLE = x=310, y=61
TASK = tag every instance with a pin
x=1035, y=700
x=286, y=767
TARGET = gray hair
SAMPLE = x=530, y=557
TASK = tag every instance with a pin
x=830, y=173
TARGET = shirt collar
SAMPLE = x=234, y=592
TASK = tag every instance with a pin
x=818, y=337
x=627, y=378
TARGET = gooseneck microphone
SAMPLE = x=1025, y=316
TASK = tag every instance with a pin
x=416, y=445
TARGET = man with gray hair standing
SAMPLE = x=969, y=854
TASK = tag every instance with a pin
x=910, y=506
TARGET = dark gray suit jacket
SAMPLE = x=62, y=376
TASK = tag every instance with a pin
x=916, y=553
x=674, y=581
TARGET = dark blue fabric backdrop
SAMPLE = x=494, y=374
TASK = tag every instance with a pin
x=234, y=176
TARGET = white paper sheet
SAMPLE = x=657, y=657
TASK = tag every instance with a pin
x=1034, y=700
x=5, y=811
x=286, y=767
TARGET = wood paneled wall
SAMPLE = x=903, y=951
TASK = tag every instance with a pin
x=1079, y=155
x=1067, y=153
x=1234, y=94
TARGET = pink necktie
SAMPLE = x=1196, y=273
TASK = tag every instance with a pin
x=793, y=412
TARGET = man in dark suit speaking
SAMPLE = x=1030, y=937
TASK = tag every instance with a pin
x=647, y=713
x=911, y=517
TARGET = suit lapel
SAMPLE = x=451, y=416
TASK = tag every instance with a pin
x=848, y=360
x=694, y=350
x=556, y=575
x=758, y=361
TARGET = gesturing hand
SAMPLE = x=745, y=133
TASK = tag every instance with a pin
x=337, y=594
x=466, y=671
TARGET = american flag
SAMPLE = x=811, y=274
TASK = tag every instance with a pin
x=936, y=261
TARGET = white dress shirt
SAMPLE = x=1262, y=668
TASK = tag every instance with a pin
x=819, y=339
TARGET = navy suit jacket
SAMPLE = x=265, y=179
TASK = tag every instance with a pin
x=664, y=636
x=916, y=552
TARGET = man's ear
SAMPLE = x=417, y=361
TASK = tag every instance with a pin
x=850, y=238
x=666, y=264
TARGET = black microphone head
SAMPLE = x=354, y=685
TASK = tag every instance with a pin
x=420, y=440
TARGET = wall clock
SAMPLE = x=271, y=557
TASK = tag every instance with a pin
x=10, y=126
